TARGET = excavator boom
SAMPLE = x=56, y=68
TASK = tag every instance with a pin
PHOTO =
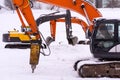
x=80, y=6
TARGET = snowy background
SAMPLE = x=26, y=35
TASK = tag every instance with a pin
x=59, y=65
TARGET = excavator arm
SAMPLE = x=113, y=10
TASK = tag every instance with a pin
x=80, y=6
x=72, y=40
x=76, y=21
x=29, y=36
x=53, y=18
x=23, y=9
x=30, y=29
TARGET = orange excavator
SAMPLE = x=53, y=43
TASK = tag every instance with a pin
x=103, y=35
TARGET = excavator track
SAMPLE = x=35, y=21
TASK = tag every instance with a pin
x=111, y=69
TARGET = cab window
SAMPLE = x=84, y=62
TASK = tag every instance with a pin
x=105, y=31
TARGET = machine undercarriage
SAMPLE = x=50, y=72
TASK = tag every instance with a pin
x=98, y=68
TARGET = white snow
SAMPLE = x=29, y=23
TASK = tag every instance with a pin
x=1, y=2
x=14, y=63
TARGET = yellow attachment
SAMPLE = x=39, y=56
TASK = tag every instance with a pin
x=21, y=35
x=34, y=54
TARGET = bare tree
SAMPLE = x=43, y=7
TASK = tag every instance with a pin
x=8, y=4
x=98, y=3
x=113, y=3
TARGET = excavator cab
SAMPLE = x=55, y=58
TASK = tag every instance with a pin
x=105, y=40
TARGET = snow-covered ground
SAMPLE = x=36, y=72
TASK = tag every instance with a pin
x=59, y=65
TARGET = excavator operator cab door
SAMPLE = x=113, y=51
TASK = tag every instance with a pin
x=105, y=40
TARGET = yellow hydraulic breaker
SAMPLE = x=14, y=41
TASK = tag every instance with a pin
x=34, y=55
